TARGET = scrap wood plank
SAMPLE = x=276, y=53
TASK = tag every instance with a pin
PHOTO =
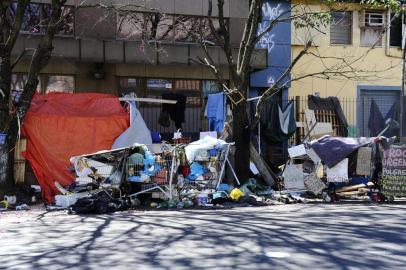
x=19, y=161
x=351, y=193
x=262, y=167
x=355, y=187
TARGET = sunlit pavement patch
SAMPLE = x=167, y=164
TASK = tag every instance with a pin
x=277, y=254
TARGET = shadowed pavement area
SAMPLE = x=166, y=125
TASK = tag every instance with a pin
x=324, y=236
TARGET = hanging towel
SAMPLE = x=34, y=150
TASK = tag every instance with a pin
x=215, y=111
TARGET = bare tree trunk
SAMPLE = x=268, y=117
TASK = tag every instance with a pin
x=10, y=115
x=6, y=179
x=241, y=137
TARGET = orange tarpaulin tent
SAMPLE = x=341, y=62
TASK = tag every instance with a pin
x=59, y=126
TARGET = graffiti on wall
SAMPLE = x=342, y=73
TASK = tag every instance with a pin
x=276, y=42
x=269, y=13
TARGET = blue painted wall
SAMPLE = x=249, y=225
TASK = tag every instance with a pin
x=277, y=42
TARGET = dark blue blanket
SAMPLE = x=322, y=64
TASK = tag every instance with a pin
x=332, y=150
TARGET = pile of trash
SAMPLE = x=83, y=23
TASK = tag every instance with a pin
x=179, y=176
x=334, y=168
x=21, y=199
x=192, y=175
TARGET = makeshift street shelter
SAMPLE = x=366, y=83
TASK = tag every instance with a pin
x=336, y=167
x=59, y=126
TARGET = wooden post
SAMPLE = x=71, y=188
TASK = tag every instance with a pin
x=262, y=167
x=298, y=118
x=19, y=161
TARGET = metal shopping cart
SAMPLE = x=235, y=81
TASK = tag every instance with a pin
x=152, y=172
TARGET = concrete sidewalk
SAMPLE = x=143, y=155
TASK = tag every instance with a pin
x=322, y=236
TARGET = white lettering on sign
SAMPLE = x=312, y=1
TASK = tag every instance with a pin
x=394, y=171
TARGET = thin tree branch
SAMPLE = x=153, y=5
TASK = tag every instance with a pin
x=276, y=86
x=15, y=29
x=249, y=43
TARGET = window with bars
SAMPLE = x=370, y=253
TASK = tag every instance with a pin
x=155, y=87
x=341, y=28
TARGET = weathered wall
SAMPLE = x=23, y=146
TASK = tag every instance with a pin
x=379, y=59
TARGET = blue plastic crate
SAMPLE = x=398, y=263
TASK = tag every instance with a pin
x=3, y=137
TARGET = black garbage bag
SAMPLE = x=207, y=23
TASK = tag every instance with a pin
x=100, y=203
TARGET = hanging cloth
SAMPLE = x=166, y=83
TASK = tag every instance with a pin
x=215, y=111
x=278, y=125
x=287, y=119
x=138, y=131
x=376, y=121
x=175, y=111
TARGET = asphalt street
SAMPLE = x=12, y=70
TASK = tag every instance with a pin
x=301, y=236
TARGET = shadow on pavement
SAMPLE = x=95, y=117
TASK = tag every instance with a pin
x=295, y=237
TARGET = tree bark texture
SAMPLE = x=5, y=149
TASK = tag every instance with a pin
x=5, y=117
x=241, y=137
x=12, y=114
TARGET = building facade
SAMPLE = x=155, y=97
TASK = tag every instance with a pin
x=277, y=43
x=356, y=36
x=141, y=46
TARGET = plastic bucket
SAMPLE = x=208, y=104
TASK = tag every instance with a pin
x=213, y=152
x=3, y=137
x=202, y=199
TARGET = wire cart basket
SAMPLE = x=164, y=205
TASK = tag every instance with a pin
x=151, y=172
x=206, y=170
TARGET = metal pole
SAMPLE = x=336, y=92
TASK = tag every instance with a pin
x=402, y=95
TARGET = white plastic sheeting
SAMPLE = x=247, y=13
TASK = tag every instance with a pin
x=138, y=131
x=204, y=144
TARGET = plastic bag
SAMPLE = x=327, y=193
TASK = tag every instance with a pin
x=236, y=194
